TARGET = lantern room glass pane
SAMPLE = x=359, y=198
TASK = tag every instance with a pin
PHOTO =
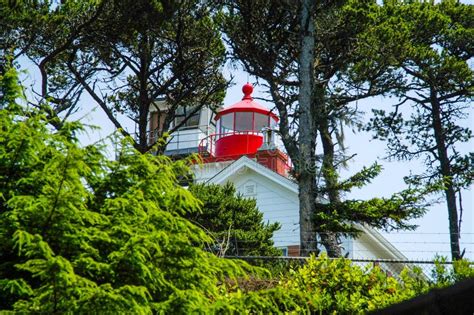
x=273, y=123
x=261, y=121
x=226, y=123
x=243, y=121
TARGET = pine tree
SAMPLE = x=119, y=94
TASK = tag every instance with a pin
x=233, y=222
x=430, y=46
x=126, y=55
x=272, y=52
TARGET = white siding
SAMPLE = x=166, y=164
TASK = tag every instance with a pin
x=204, y=172
x=363, y=248
x=369, y=248
x=275, y=202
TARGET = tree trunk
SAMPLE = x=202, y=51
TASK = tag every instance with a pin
x=328, y=238
x=447, y=176
x=143, y=98
x=306, y=130
x=308, y=241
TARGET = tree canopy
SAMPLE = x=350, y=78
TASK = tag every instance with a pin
x=339, y=74
x=126, y=55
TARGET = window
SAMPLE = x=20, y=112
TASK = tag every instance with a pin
x=243, y=121
x=183, y=112
x=250, y=189
x=226, y=123
x=261, y=121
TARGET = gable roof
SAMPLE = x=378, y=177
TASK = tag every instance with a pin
x=245, y=162
x=381, y=241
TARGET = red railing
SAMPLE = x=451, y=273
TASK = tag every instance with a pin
x=207, y=146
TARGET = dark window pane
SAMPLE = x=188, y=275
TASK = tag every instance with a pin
x=183, y=112
x=193, y=121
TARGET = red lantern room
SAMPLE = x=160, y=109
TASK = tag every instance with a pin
x=239, y=127
x=241, y=130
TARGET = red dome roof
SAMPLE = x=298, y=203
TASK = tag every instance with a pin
x=247, y=104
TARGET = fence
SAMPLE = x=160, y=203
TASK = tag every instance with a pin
x=393, y=267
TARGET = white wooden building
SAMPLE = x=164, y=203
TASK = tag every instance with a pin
x=277, y=199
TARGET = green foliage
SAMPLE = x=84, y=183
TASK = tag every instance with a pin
x=9, y=88
x=328, y=286
x=338, y=286
x=430, y=46
x=445, y=275
x=124, y=54
x=80, y=233
x=233, y=222
x=278, y=300
x=391, y=213
x=344, y=70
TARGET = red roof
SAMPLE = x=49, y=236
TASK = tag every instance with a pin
x=247, y=104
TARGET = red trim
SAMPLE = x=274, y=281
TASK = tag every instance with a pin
x=251, y=110
x=275, y=160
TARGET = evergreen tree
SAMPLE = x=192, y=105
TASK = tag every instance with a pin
x=127, y=55
x=430, y=46
x=82, y=234
x=233, y=222
x=272, y=52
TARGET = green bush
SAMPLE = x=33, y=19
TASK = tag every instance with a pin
x=444, y=275
x=327, y=286
x=338, y=286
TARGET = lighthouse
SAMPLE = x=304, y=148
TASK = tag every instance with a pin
x=238, y=144
x=245, y=128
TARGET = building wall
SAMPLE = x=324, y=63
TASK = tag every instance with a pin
x=186, y=138
x=277, y=204
x=363, y=248
x=369, y=247
x=281, y=205
x=204, y=172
